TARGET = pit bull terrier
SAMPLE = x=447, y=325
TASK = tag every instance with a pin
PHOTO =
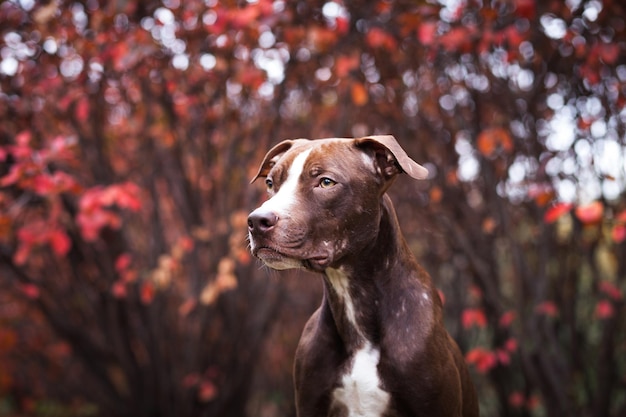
x=376, y=347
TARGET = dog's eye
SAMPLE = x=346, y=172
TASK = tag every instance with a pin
x=269, y=184
x=327, y=183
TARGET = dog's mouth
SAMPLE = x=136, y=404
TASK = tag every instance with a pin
x=276, y=259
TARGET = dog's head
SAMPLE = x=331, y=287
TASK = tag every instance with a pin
x=325, y=198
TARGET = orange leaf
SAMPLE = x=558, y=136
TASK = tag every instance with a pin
x=491, y=140
x=555, y=212
x=436, y=194
x=590, y=213
x=359, y=94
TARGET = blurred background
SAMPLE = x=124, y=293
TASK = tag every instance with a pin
x=129, y=132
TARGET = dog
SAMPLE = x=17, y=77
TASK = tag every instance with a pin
x=377, y=346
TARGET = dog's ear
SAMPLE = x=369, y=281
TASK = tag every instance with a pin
x=271, y=157
x=391, y=158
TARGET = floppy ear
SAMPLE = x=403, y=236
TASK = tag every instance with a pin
x=391, y=158
x=271, y=157
x=274, y=154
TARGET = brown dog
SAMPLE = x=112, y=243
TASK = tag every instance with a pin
x=377, y=345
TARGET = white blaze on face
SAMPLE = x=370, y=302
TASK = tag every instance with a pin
x=283, y=201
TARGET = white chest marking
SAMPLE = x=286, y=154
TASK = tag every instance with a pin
x=285, y=198
x=360, y=392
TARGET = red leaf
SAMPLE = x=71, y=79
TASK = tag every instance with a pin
x=206, y=391
x=122, y=262
x=242, y=18
x=533, y=402
x=21, y=254
x=525, y=8
x=517, y=399
x=146, y=292
x=82, y=109
x=619, y=233
x=127, y=195
x=510, y=345
x=345, y=64
x=30, y=290
x=119, y=289
x=483, y=359
x=555, y=212
x=14, y=175
x=23, y=138
x=186, y=243
x=590, y=213
x=43, y=184
x=547, y=308
x=609, y=52
x=604, y=310
x=507, y=318
x=503, y=357
x=426, y=33
x=60, y=242
x=456, y=40
x=191, y=380
x=611, y=290
x=379, y=38
x=342, y=24
x=473, y=317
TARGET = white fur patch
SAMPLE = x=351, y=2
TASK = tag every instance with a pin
x=339, y=281
x=360, y=392
x=285, y=198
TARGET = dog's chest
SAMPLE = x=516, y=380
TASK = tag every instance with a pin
x=360, y=393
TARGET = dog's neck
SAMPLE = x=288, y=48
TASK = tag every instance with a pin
x=353, y=291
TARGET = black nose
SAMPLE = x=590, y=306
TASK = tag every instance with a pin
x=261, y=221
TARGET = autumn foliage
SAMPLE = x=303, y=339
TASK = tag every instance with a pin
x=129, y=132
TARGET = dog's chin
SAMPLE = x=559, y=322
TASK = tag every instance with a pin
x=280, y=261
x=277, y=260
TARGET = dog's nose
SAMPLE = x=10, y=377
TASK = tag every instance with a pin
x=261, y=221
